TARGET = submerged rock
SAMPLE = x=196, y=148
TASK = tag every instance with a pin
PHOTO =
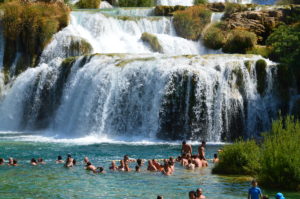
x=152, y=41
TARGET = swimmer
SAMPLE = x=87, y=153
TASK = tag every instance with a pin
x=122, y=166
x=126, y=168
x=101, y=170
x=86, y=160
x=15, y=162
x=90, y=167
x=74, y=162
x=203, y=161
x=33, y=162
x=69, y=161
x=197, y=162
x=178, y=159
x=137, y=168
x=199, y=194
x=216, y=159
x=127, y=160
x=41, y=161
x=192, y=195
x=201, y=149
x=184, y=161
x=59, y=160
x=160, y=197
x=10, y=161
x=186, y=148
x=166, y=170
x=113, y=166
x=139, y=162
x=157, y=165
x=2, y=161
x=151, y=166
x=190, y=165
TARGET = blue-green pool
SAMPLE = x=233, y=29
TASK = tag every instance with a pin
x=54, y=181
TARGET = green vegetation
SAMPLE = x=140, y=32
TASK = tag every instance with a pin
x=261, y=75
x=231, y=8
x=167, y=10
x=242, y=157
x=214, y=37
x=287, y=2
x=88, y=4
x=281, y=155
x=189, y=23
x=28, y=27
x=239, y=41
x=197, y=2
x=78, y=46
x=136, y=3
x=264, y=51
x=275, y=162
x=152, y=41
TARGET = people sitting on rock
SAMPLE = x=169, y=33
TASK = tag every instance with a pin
x=113, y=166
x=59, y=160
x=33, y=162
x=215, y=159
x=186, y=148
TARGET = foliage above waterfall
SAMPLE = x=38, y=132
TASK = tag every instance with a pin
x=28, y=27
x=189, y=23
x=239, y=41
x=88, y=4
x=136, y=3
x=215, y=36
x=275, y=161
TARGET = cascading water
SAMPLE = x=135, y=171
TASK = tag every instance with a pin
x=212, y=97
x=141, y=93
x=192, y=2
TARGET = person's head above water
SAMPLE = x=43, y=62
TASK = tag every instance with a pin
x=101, y=169
x=139, y=162
x=69, y=155
x=86, y=159
x=160, y=197
x=192, y=195
x=215, y=155
x=59, y=157
x=199, y=192
x=88, y=164
x=1, y=160
x=184, y=142
x=137, y=168
x=33, y=160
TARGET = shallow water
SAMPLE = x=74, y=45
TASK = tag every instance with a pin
x=54, y=181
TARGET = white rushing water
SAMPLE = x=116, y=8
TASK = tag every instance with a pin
x=108, y=34
x=130, y=95
x=191, y=2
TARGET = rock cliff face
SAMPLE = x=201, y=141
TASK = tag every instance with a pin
x=259, y=22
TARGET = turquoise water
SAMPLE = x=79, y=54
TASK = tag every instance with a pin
x=54, y=181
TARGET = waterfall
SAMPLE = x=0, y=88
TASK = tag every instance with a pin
x=191, y=2
x=1, y=46
x=194, y=97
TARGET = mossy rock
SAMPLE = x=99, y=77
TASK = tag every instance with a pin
x=78, y=47
x=135, y=3
x=261, y=75
x=167, y=10
x=214, y=37
x=239, y=78
x=88, y=4
x=152, y=41
x=239, y=41
x=124, y=62
x=190, y=23
x=248, y=64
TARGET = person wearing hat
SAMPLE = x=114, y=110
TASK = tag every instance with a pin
x=279, y=196
x=254, y=191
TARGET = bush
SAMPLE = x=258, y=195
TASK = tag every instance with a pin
x=136, y=3
x=152, y=41
x=190, y=23
x=214, y=37
x=264, y=51
x=287, y=2
x=88, y=4
x=30, y=26
x=239, y=41
x=231, y=8
x=197, y=2
x=280, y=163
x=167, y=10
x=241, y=157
